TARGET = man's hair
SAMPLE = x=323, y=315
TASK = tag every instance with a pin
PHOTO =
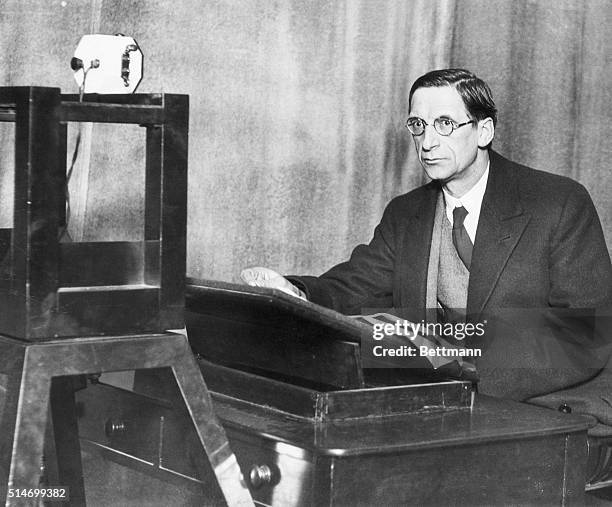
x=475, y=93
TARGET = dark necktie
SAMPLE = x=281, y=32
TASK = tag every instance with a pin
x=461, y=240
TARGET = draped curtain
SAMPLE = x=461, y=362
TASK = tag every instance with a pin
x=297, y=109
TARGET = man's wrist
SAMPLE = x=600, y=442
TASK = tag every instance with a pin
x=299, y=286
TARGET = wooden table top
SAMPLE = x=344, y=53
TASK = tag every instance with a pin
x=490, y=419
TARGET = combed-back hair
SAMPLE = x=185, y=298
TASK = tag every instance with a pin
x=475, y=93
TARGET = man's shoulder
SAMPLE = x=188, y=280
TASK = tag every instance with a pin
x=532, y=180
x=413, y=203
x=535, y=191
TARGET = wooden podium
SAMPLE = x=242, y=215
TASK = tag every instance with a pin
x=75, y=309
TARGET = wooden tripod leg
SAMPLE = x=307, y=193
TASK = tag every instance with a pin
x=66, y=437
x=30, y=422
x=24, y=427
x=7, y=428
x=210, y=432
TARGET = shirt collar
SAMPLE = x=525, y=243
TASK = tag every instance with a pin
x=471, y=200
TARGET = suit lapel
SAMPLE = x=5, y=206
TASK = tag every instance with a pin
x=415, y=250
x=500, y=226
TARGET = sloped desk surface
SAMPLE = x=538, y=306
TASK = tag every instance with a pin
x=272, y=306
x=268, y=332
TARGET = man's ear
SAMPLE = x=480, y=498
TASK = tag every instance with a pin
x=486, y=132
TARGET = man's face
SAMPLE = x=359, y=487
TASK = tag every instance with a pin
x=446, y=158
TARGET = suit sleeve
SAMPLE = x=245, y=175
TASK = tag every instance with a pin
x=365, y=280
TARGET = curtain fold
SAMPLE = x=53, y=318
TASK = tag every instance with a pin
x=310, y=145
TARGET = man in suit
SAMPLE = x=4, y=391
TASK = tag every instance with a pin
x=487, y=240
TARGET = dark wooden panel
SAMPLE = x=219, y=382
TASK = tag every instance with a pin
x=575, y=472
x=152, y=263
x=332, y=404
x=10, y=95
x=268, y=331
x=39, y=195
x=142, y=99
x=284, y=350
x=153, y=184
x=110, y=113
x=5, y=245
x=13, y=318
x=526, y=471
x=107, y=310
x=62, y=149
x=273, y=307
x=395, y=400
x=322, y=483
x=173, y=217
x=66, y=438
x=226, y=382
x=102, y=263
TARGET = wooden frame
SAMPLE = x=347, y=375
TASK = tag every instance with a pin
x=52, y=289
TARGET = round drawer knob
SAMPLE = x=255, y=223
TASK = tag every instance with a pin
x=114, y=427
x=260, y=475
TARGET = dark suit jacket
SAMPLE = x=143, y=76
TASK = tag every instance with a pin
x=540, y=275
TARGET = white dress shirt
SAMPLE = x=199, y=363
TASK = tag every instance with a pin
x=471, y=201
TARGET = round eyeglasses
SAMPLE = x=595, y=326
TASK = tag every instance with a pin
x=443, y=126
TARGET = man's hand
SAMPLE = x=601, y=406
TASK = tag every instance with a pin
x=264, y=277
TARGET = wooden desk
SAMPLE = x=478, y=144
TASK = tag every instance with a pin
x=496, y=453
x=311, y=448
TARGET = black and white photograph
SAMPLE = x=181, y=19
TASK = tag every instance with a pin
x=305, y=253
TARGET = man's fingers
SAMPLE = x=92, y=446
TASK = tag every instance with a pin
x=247, y=276
x=261, y=277
x=265, y=277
